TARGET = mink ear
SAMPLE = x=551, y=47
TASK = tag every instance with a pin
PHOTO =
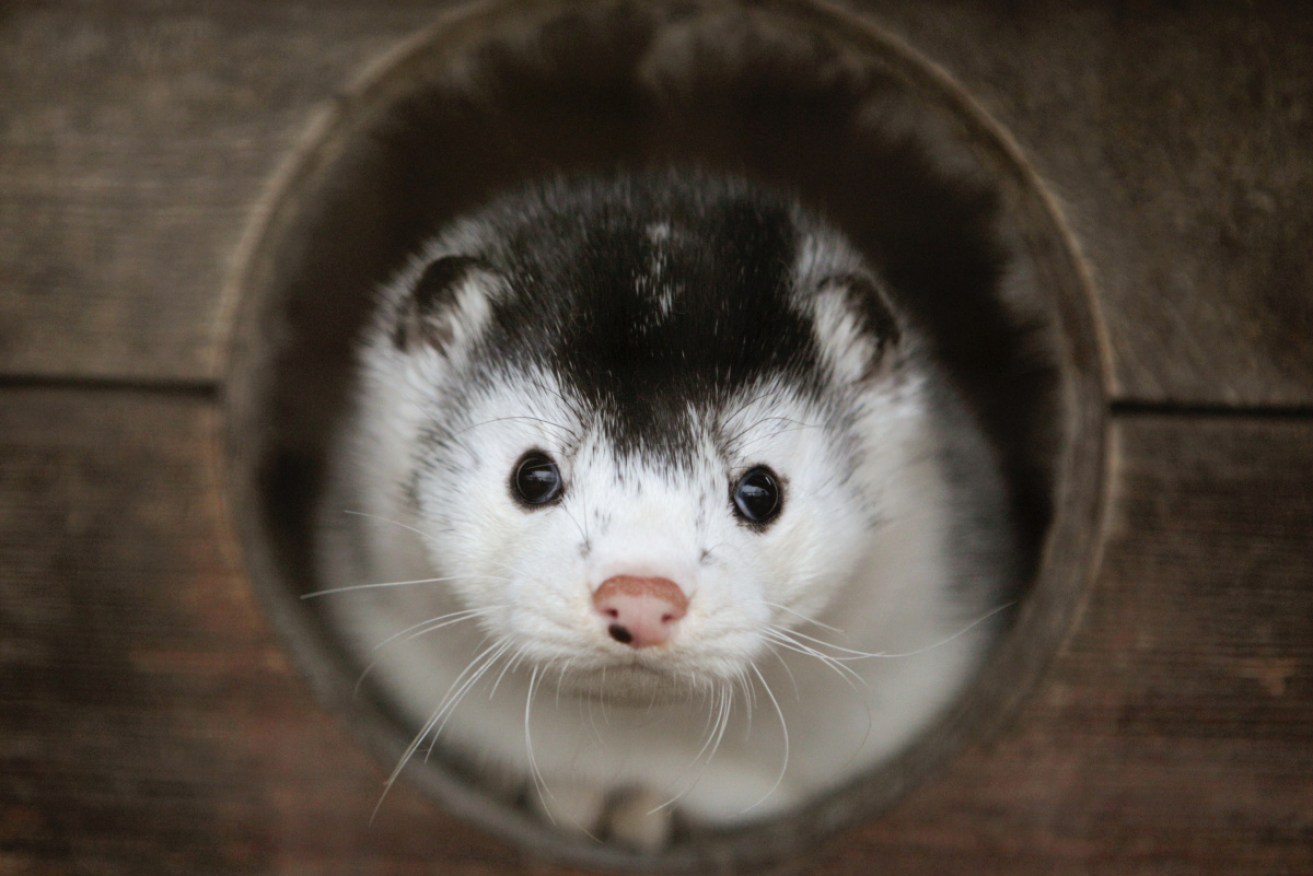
x=856, y=327
x=448, y=303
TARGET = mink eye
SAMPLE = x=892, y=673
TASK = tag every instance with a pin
x=536, y=480
x=757, y=496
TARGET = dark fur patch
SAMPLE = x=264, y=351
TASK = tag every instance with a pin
x=645, y=327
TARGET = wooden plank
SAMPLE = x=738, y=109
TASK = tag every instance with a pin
x=1175, y=136
x=137, y=143
x=139, y=140
x=148, y=717
x=1174, y=732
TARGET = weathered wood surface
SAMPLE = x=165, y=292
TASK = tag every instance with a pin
x=150, y=722
x=1176, y=137
x=139, y=139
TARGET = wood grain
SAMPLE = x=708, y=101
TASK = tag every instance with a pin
x=150, y=720
x=1174, y=733
x=137, y=142
x=1175, y=135
x=140, y=140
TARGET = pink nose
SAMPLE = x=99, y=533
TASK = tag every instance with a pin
x=640, y=612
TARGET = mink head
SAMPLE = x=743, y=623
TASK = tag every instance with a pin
x=659, y=415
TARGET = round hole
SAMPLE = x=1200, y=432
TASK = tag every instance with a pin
x=798, y=95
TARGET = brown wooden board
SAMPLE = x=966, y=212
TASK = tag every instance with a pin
x=150, y=721
x=1177, y=138
x=139, y=140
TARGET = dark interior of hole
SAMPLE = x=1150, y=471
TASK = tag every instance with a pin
x=782, y=113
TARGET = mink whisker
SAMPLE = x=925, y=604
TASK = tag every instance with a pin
x=384, y=584
x=797, y=693
x=853, y=655
x=420, y=629
x=437, y=623
x=560, y=677
x=784, y=729
x=476, y=665
x=797, y=425
x=716, y=732
x=799, y=615
x=423, y=535
x=785, y=640
x=571, y=433
x=509, y=667
x=465, y=689
x=540, y=784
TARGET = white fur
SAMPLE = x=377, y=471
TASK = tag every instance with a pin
x=859, y=558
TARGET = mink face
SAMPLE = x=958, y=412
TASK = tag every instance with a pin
x=647, y=367
x=661, y=442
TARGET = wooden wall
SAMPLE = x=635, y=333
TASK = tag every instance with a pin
x=149, y=718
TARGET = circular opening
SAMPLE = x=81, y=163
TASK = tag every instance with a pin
x=797, y=95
